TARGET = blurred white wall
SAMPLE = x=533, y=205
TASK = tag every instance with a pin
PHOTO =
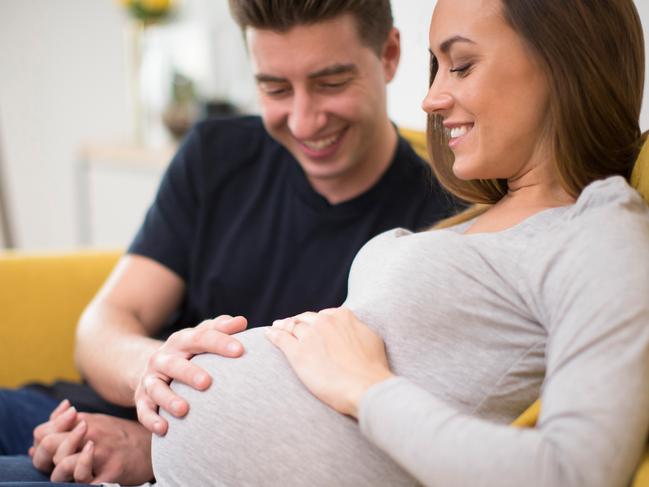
x=63, y=80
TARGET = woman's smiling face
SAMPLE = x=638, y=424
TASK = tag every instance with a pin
x=490, y=91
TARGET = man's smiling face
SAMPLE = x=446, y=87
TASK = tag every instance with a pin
x=323, y=96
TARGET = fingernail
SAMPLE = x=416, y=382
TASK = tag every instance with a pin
x=200, y=380
x=177, y=406
x=234, y=347
x=158, y=428
x=88, y=446
x=70, y=412
x=80, y=426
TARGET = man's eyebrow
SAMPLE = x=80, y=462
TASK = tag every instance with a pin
x=268, y=78
x=334, y=70
x=328, y=71
x=445, y=46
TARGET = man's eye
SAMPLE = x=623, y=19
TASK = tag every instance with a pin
x=273, y=89
x=332, y=85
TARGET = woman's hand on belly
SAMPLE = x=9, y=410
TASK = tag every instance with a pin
x=335, y=355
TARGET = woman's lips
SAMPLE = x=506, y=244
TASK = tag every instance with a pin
x=457, y=132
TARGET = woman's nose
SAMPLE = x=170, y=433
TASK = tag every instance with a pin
x=437, y=101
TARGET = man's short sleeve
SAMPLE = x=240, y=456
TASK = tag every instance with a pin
x=169, y=228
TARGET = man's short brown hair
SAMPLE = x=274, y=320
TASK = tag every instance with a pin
x=373, y=17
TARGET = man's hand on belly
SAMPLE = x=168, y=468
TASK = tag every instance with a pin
x=172, y=362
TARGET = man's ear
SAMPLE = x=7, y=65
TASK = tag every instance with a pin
x=390, y=54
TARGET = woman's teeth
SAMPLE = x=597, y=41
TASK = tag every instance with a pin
x=456, y=132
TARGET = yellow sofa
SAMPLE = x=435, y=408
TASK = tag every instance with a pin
x=41, y=298
x=43, y=295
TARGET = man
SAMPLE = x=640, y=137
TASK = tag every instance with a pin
x=255, y=218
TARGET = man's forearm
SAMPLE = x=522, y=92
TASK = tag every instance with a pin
x=111, y=351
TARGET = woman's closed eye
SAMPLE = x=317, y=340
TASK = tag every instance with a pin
x=462, y=70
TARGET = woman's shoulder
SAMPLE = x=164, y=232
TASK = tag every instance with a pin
x=612, y=195
x=607, y=209
x=608, y=223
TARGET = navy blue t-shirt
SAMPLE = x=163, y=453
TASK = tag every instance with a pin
x=236, y=218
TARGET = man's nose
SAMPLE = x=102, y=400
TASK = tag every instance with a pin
x=306, y=117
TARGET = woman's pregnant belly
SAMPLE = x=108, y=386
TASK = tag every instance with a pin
x=258, y=425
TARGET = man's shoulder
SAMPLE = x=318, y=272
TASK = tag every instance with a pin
x=237, y=132
x=226, y=144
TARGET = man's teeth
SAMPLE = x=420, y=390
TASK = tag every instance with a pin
x=456, y=132
x=322, y=143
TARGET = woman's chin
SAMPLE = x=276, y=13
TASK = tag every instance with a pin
x=465, y=171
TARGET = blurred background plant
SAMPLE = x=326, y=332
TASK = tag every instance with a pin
x=145, y=14
x=148, y=11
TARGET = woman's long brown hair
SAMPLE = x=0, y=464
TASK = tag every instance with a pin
x=592, y=52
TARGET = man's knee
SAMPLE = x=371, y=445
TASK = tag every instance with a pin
x=21, y=410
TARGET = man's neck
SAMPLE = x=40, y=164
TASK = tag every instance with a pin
x=363, y=176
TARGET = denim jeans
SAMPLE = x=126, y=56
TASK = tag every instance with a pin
x=21, y=410
x=19, y=468
x=18, y=471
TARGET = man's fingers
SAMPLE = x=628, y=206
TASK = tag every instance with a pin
x=63, y=422
x=83, y=469
x=44, y=453
x=178, y=368
x=230, y=325
x=161, y=394
x=72, y=442
x=64, y=471
x=215, y=322
x=202, y=340
x=147, y=416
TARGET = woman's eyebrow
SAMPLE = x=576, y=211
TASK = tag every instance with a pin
x=445, y=46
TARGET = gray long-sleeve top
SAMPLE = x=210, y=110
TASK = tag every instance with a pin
x=476, y=327
x=571, y=285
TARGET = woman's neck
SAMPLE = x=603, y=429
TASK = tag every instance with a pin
x=535, y=191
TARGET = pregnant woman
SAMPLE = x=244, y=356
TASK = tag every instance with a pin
x=447, y=335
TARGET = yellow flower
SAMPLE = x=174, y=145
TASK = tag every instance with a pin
x=156, y=5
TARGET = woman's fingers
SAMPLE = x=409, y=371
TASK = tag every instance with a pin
x=60, y=409
x=64, y=421
x=283, y=340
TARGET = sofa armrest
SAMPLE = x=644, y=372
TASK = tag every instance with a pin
x=41, y=299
